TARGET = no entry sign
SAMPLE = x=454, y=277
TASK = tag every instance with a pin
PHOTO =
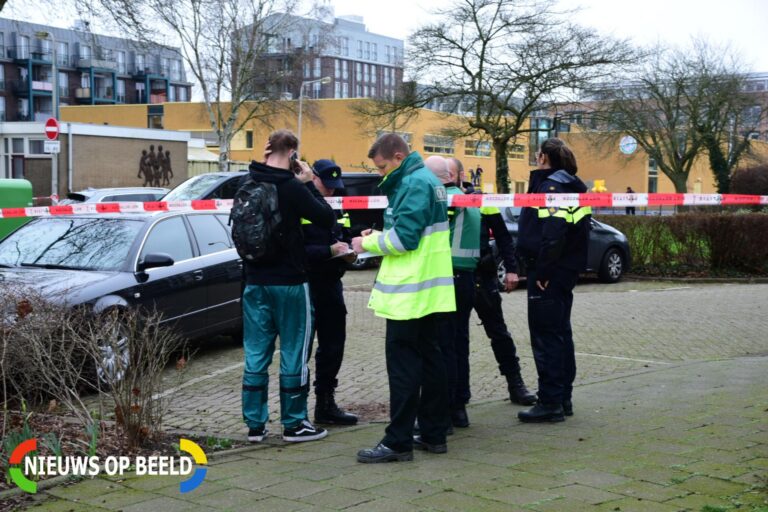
x=52, y=128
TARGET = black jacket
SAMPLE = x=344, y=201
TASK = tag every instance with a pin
x=552, y=240
x=296, y=200
x=493, y=224
x=317, y=246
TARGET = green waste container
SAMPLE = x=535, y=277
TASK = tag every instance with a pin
x=14, y=194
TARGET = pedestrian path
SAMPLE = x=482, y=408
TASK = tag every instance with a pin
x=689, y=436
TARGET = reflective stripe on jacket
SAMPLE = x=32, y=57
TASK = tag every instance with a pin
x=416, y=274
x=465, y=235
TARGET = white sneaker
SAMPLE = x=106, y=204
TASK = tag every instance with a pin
x=304, y=431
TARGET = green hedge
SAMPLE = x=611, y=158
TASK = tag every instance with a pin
x=697, y=243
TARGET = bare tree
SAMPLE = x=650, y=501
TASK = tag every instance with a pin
x=222, y=43
x=680, y=105
x=496, y=63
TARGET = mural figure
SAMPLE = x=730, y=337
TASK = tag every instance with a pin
x=167, y=171
x=145, y=169
x=155, y=167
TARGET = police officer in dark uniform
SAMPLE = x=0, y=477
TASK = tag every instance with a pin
x=487, y=305
x=554, y=243
x=328, y=252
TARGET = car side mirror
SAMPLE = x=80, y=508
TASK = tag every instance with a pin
x=154, y=260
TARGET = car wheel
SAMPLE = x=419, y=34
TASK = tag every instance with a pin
x=360, y=264
x=612, y=267
x=501, y=273
x=114, y=352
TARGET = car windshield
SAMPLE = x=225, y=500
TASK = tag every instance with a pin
x=193, y=188
x=76, y=243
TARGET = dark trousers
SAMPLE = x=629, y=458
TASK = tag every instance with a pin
x=630, y=210
x=331, y=327
x=488, y=307
x=549, y=320
x=417, y=383
x=464, y=285
x=446, y=332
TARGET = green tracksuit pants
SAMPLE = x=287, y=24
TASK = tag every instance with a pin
x=269, y=311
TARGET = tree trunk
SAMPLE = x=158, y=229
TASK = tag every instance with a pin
x=680, y=181
x=719, y=165
x=502, y=165
x=223, y=155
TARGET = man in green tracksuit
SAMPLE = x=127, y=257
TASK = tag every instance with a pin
x=415, y=283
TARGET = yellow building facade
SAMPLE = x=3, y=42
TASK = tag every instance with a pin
x=332, y=129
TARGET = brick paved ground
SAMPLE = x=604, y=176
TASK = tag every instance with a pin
x=686, y=437
x=627, y=327
x=671, y=415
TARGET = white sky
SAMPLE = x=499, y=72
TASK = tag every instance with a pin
x=741, y=23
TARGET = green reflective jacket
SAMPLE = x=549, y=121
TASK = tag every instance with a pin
x=465, y=234
x=416, y=275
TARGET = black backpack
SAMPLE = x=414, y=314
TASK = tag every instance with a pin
x=255, y=218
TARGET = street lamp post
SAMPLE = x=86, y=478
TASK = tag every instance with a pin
x=324, y=80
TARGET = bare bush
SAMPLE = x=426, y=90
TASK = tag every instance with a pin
x=51, y=351
x=130, y=350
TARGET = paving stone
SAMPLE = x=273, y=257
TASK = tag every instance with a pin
x=696, y=502
x=84, y=489
x=520, y=496
x=339, y=499
x=452, y=501
x=231, y=499
x=648, y=491
x=166, y=504
x=635, y=505
x=712, y=486
x=295, y=489
x=587, y=494
x=120, y=499
x=595, y=478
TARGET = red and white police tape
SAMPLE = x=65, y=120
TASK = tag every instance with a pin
x=380, y=202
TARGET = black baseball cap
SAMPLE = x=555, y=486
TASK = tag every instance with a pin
x=329, y=173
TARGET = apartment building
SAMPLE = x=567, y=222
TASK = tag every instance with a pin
x=44, y=67
x=357, y=63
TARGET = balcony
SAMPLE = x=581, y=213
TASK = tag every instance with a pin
x=25, y=53
x=21, y=87
x=83, y=93
x=97, y=63
x=104, y=94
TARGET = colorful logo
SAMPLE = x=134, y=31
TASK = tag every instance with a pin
x=21, y=464
x=17, y=457
x=198, y=455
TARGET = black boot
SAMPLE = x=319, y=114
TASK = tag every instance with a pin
x=459, y=416
x=541, y=413
x=328, y=413
x=518, y=393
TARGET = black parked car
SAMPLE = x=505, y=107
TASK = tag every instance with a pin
x=223, y=185
x=609, y=255
x=181, y=264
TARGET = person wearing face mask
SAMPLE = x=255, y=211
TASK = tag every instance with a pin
x=328, y=253
x=553, y=242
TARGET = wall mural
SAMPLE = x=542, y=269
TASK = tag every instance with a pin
x=155, y=168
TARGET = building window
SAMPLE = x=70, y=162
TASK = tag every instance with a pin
x=63, y=85
x=22, y=51
x=2, y=45
x=183, y=96
x=359, y=49
x=345, y=90
x=165, y=66
x=176, y=69
x=248, y=139
x=85, y=80
x=317, y=67
x=516, y=152
x=337, y=90
x=121, y=68
x=359, y=91
x=373, y=73
x=36, y=147
x=406, y=136
x=358, y=72
x=85, y=51
x=2, y=108
x=366, y=73
x=653, y=176
x=477, y=148
x=345, y=46
x=374, y=51
x=387, y=54
x=140, y=63
x=345, y=70
x=438, y=144
x=62, y=54
x=317, y=87
x=336, y=68
x=307, y=70
x=367, y=51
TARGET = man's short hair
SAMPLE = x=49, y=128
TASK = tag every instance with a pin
x=458, y=164
x=283, y=141
x=387, y=145
x=439, y=167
